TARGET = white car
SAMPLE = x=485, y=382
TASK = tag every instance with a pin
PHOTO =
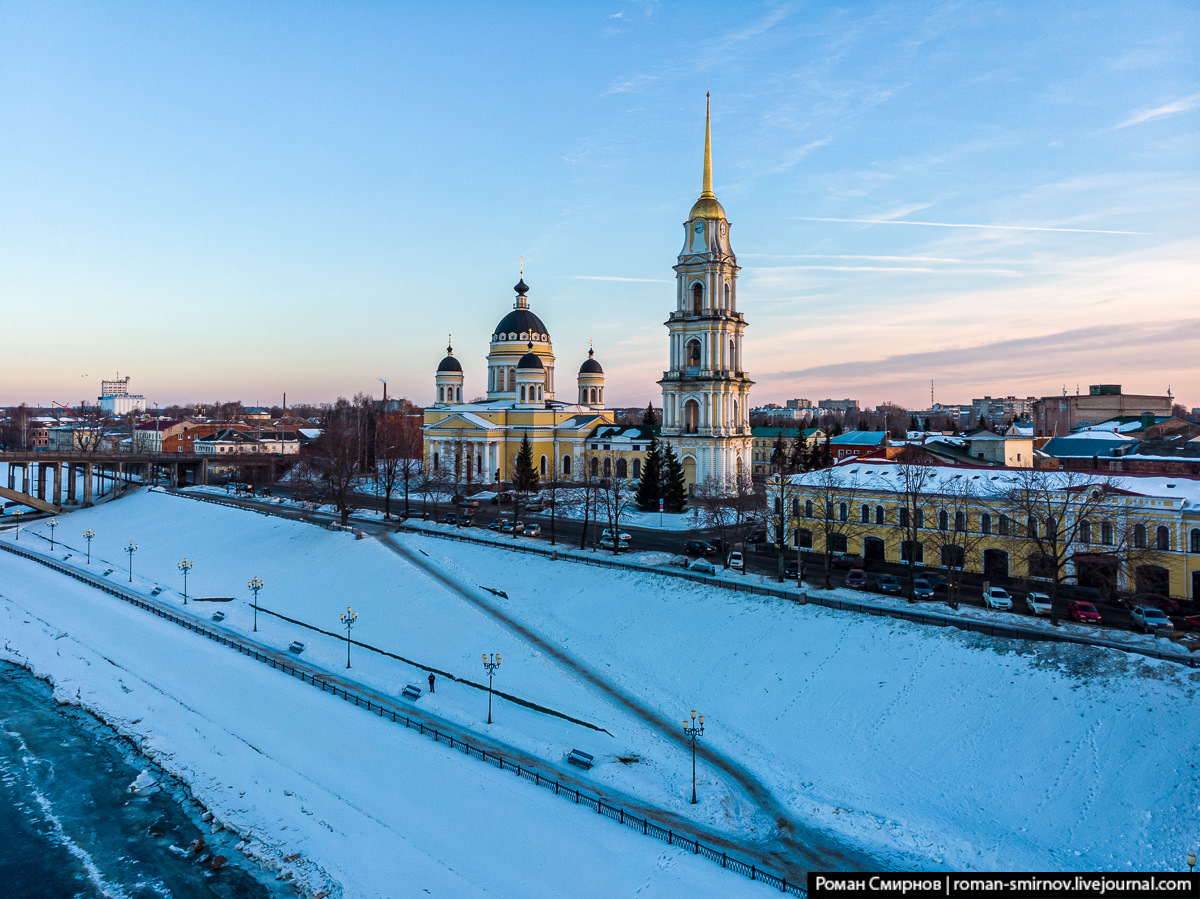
x=703, y=566
x=997, y=598
x=1148, y=618
x=735, y=561
x=607, y=533
x=1038, y=604
x=607, y=543
x=532, y=530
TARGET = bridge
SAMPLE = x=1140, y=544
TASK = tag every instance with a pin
x=37, y=467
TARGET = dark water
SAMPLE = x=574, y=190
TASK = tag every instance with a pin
x=71, y=827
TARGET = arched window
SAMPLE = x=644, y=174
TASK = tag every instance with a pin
x=920, y=518
x=796, y=507
x=1085, y=531
x=732, y=356
x=1162, y=538
x=985, y=523
x=1031, y=528
x=436, y=466
x=736, y=421
x=902, y=517
x=864, y=514
x=1194, y=545
x=622, y=469
x=808, y=508
x=1051, y=532
x=880, y=515
x=542, y=466
x=843, y=512
x=566, y=466
x=829, y=510
x=1005, y=525
x=943, y=521
x=691, y=416
x=637, y=468
x=727, y=294
x=608, y=468
x=479, y=463
x=1106, y=533
x=697, y=298
x=1139, y=536
x=595, y=466
x=692, y=354
x=960, y=522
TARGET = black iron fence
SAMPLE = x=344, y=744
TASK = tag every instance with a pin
x=389, y=712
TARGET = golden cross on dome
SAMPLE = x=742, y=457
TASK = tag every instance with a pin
x=522, y=266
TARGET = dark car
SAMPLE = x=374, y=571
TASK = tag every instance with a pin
x=890, y=584
x=856, y=579
x=846, y=560
x=1153, y=600
x=758, y=535
x=450, y=519
x=418, y=514
x=263, y=491
x=922, y=589
x=698, y=548
x=936, y=580
x=494, y=524
x=792, y=572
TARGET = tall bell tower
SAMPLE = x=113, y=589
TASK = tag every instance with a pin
x=706, y=415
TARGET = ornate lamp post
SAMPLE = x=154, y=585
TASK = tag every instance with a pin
x=348, y=618
x=88, y=535
x=129, y=551
x=52, y=524
x=1191, y=861
x=185, y=566
x=692, y=731
x=491, y=664
x=17, y=513
x=255, y=584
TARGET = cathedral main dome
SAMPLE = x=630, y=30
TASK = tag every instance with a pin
x=521, y=324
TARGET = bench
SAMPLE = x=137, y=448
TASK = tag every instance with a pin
x=412, y=691
x=156, y=591
x=218, y=616
x=580, y=759
x=297, y=647
x=107, y=572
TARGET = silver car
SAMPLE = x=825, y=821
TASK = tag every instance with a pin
x=997, y=598
x=1038, y=604
x=1148, y=618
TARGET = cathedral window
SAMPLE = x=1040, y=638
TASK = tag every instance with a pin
x=622, y=469
x=566, y=466
x=691, y=417
x=697, y=298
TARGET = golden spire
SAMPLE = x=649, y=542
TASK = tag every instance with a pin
x=706, y=191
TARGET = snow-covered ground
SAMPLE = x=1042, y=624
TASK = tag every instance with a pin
x=955, y=749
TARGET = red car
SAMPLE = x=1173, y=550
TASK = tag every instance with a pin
x=857, y=579
x=1083, y=612
x=1192, y=621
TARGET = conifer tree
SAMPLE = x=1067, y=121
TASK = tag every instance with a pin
x=779, y=454
x=798, y=461
x=674, y=488
x=648, y=417
x=525, y=476
x=650, y=487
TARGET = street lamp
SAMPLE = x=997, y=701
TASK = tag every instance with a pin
x=88, y=535
x=692, y=731
x=1191, y=861
x=348, y=619
x=185, y=566
x=52, y=524
x=129, y=551
x=255, y=584
x=491, y=664
x=17, y=532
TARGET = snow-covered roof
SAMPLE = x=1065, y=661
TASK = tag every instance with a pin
x=860, y=438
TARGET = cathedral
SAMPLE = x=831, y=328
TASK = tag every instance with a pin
x=705, y=408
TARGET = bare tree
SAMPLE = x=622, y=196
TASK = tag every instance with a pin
x=408, y=449
x=783, y=507
x=917, y=479
x=957, y=533
x=834, y=492
x=337, y=455
x=556, y=492
x=615, y=496
x=730, y=506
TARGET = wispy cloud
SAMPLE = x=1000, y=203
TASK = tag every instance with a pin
x=615, y=278
x=878, y=221
x=871, y=258
x=1187, y=104
x=889, y=268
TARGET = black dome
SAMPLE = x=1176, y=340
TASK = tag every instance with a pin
x=530, y=360
x=521, y=321
x=450, y=364
x=590, y=366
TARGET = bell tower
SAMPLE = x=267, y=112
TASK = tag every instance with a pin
x=706, y=390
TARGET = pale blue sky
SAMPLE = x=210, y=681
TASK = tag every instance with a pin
x=234, y=200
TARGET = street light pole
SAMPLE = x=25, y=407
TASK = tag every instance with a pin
x=185, y=566
x=129, y=551
x=348, y=619
x=255, y=584
x=88, y=535
x=491, y=664
x=52, y=524
x=692, y=732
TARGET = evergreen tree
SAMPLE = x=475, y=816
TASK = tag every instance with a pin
x=798, y=460
x=674, y=488
x=913, y=424
x=648, y=417
x=650, y=487
x=779, y=455
x=983, y=424
x=525, y=476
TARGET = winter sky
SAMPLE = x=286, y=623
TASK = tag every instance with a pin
x=234, y=200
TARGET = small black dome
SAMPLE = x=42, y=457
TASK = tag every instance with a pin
x=449, y=363
x=522, y=288
x=530, y=360
x=590, y=365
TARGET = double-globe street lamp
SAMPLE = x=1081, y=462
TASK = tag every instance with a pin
x=692, y=731
x=52, y=524
x=255, y=584
x=185, y=566
x=491, y=664
x=129, y=551
x=348, y=618
x=88, y=535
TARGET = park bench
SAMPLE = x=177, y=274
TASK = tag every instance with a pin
x=411, y=691
x=156, y=591
x=297, y=647
x=580, y=759
x=218, y=616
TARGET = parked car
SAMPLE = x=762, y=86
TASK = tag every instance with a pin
x=608, y=532
x=507, y=527
x=792, y=571
x=857, y=579
x=1083, y=612
x=735, y=561
x=922, y=589
x=758, y=535
x=935, y=579
x=846, y=560
x=1192, y=621
x=698, y=548
x=889, y=583
x=702, y=565
x=494, y=524
x=997, y=598
x=418, y=514
x=1148, y=618
x=533, y=530
x=450, y=519
x=1037, y=603
x=1148, y=600
x=263, y=491
x=607, y=543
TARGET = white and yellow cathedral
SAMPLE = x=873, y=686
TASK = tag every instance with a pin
x=705, y=391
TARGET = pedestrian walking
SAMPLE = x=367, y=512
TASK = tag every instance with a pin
x=431, y=682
